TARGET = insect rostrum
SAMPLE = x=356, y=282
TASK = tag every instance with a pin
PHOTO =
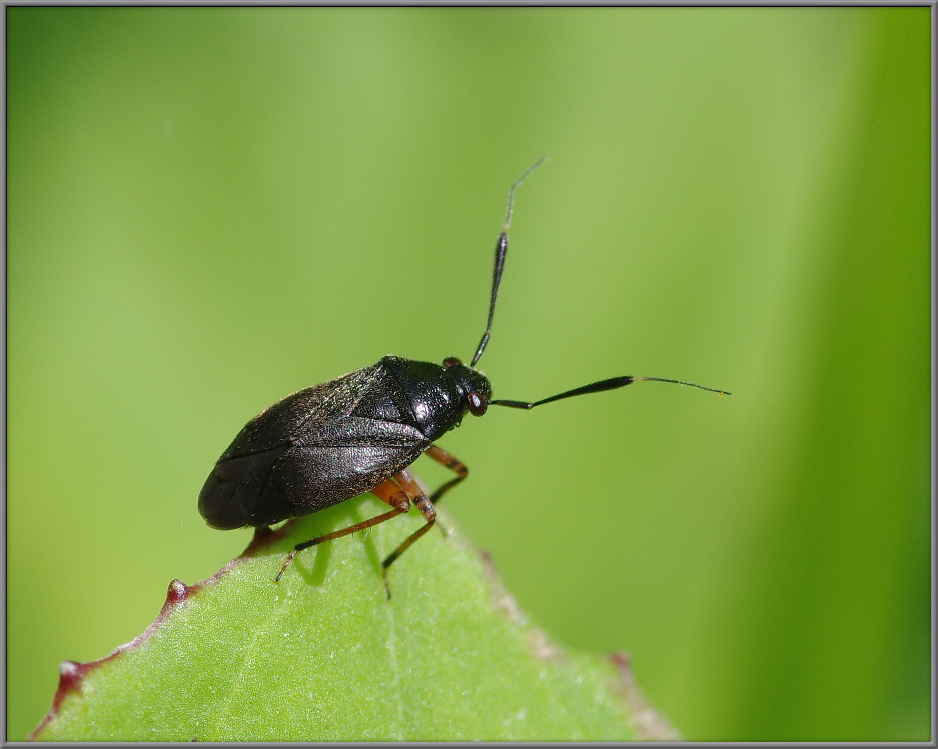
x=359, y=433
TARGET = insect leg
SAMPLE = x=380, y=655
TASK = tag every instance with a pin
x=387, y=492
x=412, y=488
x=450, y=461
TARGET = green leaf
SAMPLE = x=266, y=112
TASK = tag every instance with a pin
x=323, y=655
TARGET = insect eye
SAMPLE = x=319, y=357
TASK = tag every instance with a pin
x=477, y=404
x=451, y=361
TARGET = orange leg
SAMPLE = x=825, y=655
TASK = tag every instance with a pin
x=388, y=492
x=450, y=461
x=415, y=493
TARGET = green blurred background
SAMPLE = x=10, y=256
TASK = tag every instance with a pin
x=209, y=209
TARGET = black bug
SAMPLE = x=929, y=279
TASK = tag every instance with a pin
x=359, y=433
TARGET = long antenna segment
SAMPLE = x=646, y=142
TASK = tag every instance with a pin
x=501, y=250
x=597, y=387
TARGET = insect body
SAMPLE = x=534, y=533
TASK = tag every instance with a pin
x=359, y=433
x=334, y=441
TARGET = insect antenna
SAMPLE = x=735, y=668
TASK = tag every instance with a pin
x=501, y=249
x=596, y=387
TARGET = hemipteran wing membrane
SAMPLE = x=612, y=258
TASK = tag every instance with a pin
x=345, y=458
x=308, y=452
x=340, y=460
x=229, y=496
x=302, y=411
